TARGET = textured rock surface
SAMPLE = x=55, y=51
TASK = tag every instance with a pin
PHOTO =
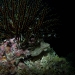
x=43, y=47
x=43, y=60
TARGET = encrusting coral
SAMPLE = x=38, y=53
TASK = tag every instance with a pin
x=41, y=61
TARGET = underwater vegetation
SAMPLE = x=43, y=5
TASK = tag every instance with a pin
x=24, y=18
x=39, y=61
x=23, y=24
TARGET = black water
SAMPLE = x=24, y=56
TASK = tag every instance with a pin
x=64, y=46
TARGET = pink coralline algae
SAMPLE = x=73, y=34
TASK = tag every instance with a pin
x=2, y=47
x=9, y=51
x=18, y=53
x=21, y=65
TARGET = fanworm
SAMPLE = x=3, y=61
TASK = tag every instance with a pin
x=24, y=18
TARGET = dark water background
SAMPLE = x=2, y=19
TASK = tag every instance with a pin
x=64, y=46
